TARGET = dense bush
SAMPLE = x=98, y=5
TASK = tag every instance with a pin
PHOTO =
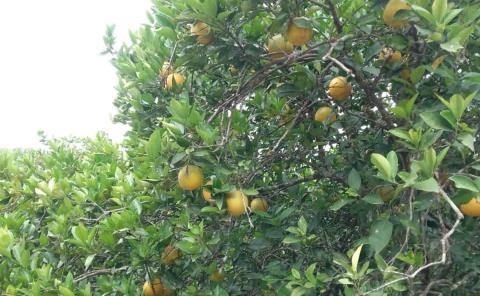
x=364, y=197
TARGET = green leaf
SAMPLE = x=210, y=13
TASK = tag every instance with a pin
x=464, y=182
x=354, y=180
x=340, y=204
x=393, y=160
x=89, y=260
x=423, y=13
x=417, y=74
x=64, y=291
x=373, y=199
x=380, y=234
x=457, y=106
x=296, y=274
x=468, y=141
x=439, y=9
x=429, y=185
x=291, y=240
x=381, y=264
x=309, y=273
x=356, y=257
x=382, y=165
x=401, y=133
x=302, y=225
x=435, y=120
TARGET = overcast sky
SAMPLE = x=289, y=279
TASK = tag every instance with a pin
x=52, y=76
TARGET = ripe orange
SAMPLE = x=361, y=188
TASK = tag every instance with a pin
x=278, y=47
x=297, y=35
x=392, y=7
x=200, y=29
x=170, y=254
x=205, y=40
x=339, y=88
x=157, y=289
x=471, y=208
x=174, y=80
x=237, y=203
x=325, y=114
x=190, y=177
x=206, y=194
x=259, y=204
x=393, y=56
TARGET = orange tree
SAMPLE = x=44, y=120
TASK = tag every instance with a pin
x=276, y=148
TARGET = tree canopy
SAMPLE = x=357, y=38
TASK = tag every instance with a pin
x=285, y=147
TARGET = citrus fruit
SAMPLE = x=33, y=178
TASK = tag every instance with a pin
x=299, y=35
x=339, y=88
x=190, y=177
x=237, y=203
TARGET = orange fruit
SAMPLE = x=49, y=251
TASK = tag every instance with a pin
x=190, y=177
x=325, y=114
x=392, y=7
x=170, y=254
x=259, y=204
x=297, y=35
x=206, y=194
x=237, y=203
x=174, y=80
x=217, y=276
x=205, y=40
x=278, y=47
x=406, y=73
x=200, y=29
x=339, y=88
x=393, y=56
x=157, y=289
x=471, y=208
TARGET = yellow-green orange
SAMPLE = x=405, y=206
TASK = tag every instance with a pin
x=237, y=203
x=217, y=276
x=278, y=47
x=259, y=204
x=324, y=114
x=297, y=35
x=339, y=88
x=406, y=73
x=471, y=208
x=392, y=7
x=190, y=177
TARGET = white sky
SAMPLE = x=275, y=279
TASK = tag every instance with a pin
x=52, y=76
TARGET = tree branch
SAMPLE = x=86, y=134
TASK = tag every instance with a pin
x=99, y=272
x=443, y=242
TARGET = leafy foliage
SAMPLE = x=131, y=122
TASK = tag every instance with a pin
x=88, y=217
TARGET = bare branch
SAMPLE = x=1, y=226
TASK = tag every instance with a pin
x=443, y=242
